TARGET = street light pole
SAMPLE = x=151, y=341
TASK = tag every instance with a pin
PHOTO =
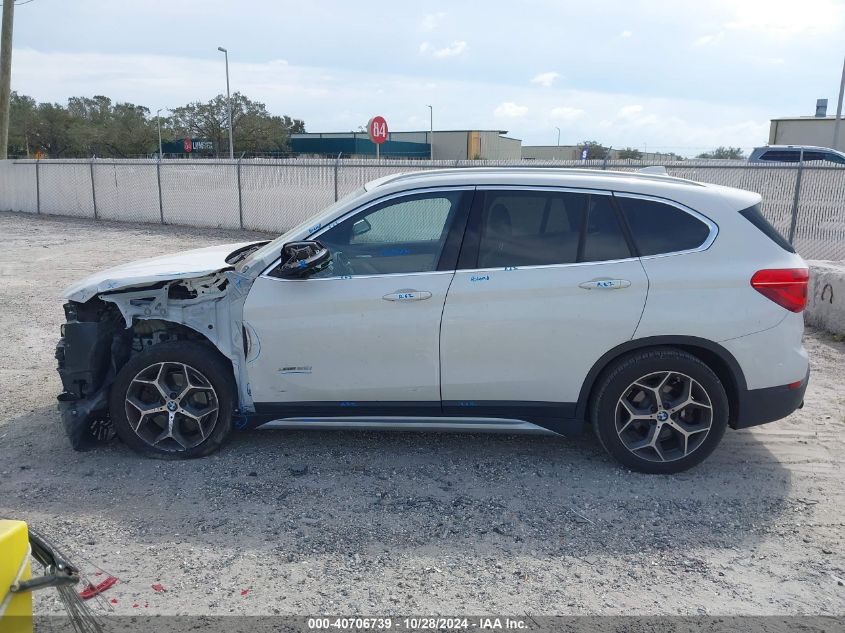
x=158, y=120
x=557, y=151
x=228, y=103
x=431, y=131
x=839, y=109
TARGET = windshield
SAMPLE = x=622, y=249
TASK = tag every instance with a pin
x=272, y=249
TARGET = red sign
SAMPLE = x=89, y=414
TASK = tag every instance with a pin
x=377, y=128
x=188, y=145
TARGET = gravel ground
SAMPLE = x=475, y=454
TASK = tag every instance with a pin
x=328, y=522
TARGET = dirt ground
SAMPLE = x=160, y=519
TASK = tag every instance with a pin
x=397, y=523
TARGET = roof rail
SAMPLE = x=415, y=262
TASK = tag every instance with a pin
x=568, y=171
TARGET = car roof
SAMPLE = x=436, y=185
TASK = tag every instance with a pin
x=815, y=148
x=696, y=195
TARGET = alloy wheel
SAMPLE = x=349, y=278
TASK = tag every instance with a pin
x=171, y=406
x=664, y=416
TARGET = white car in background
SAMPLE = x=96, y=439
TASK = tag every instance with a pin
x=657, y=310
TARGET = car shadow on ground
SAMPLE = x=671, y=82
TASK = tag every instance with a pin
x=314, y=492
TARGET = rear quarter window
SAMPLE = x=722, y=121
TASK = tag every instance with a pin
x=659, y=228
x=753, y=215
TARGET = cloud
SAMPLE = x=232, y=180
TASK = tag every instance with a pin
x=708, y=40
x=565, y=113
x=510, y=110
x=626, y=34
x=454, y=49
x=785, y=18
x=545, y=79
x=431, y=21
x=629, y=111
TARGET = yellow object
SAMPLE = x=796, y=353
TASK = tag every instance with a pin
x=15, y=608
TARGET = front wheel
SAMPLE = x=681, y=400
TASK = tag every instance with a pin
x=173, y=400
x=660, y=411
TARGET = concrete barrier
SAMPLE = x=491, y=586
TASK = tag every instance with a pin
x=826, y=300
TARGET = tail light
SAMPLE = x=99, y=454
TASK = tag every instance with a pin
x=787, y=287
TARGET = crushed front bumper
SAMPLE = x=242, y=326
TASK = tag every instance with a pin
x=85, y=356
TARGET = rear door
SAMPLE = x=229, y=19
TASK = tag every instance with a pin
x=547, y=284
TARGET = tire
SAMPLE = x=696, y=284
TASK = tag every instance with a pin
x=660, y=411
x=174, y=400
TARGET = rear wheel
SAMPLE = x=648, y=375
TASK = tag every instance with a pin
x=173, y=400
x=660, y=411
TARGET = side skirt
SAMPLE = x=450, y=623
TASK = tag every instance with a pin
x=483, y=416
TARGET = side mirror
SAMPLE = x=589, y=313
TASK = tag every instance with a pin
x=300, y=259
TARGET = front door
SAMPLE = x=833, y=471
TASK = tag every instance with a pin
x=361, y=337
x=548, y=284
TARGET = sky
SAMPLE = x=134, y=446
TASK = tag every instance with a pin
x=682, y=75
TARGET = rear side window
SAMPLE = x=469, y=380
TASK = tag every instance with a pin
x=530, y=228
x=753, y=215
x=603, y=239
x=661, y=228
x=781, y=156
x=537, y=228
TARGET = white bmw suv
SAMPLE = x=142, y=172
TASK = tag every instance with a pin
x=659, y=311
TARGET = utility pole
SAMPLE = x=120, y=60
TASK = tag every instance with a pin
x=838, y=109
x=5, y=75
x=557, y=151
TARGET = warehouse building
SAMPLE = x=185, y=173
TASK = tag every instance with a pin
x=808, y=130
x=447, y=145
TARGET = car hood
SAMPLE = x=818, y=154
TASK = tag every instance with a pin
x=187, y=264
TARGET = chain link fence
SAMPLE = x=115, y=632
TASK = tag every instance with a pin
x=805, y=203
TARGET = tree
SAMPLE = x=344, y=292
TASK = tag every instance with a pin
x=595, y=150
x=97, y=126
x=727, y=153
x=102, y=129
x=629, y=153
x=53, y=131
x=22, y=118
x=254, y=128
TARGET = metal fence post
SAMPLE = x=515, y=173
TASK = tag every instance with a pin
x=336, y=166
x=158, y=178
x=37, y=187
x=794, y=222
x=93, y=189
x=240, y=198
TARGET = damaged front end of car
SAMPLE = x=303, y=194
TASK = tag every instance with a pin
x=103, y=332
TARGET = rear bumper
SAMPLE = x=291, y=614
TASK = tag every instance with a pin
x=758, y=406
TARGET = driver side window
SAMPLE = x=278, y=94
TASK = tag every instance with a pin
x=402, y=235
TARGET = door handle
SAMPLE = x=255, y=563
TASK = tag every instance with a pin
x=604, y=284
x=407, y=294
